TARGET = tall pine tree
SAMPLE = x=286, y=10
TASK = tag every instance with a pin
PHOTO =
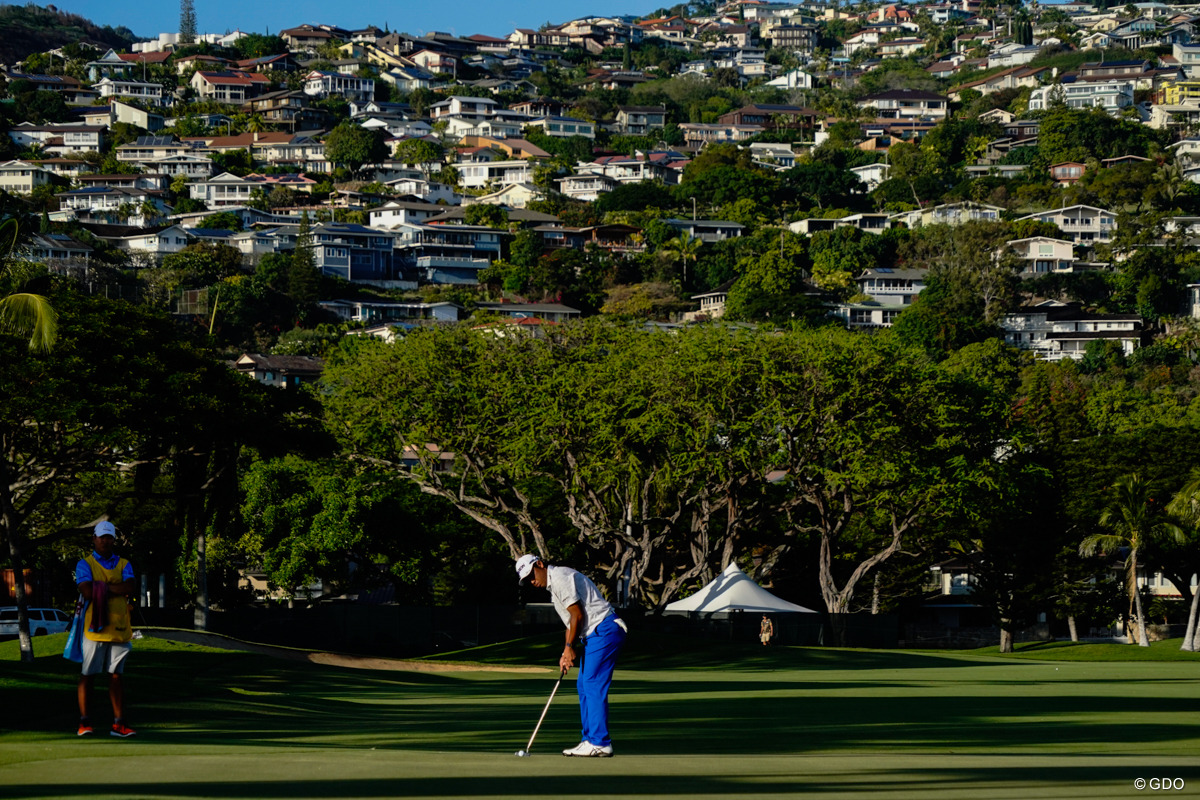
x=303, y=279
x=187, y=22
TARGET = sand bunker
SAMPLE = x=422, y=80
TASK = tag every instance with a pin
x=206, y=639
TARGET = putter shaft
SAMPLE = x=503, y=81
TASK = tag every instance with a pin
x=537, y=727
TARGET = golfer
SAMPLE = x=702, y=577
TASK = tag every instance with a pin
x=106, y=582
x=590, y=619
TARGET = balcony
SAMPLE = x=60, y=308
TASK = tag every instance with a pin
x=451, y=262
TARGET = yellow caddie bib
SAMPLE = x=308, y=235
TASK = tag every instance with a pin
x=119, y=627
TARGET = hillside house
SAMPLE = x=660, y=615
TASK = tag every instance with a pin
x=282, y=372
x=640, y=120
x=1055, y=330
x=22, y=177
x=907, y=104
x=1043, y=255
x=228, y=87
x=127, y=89
x=322, y=83
x=1080, y=223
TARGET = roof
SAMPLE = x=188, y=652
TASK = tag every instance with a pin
x=152, y=57
x=233, y=78
x=285, y=364
x=514, y=215
x=734, y=590
x=906, y=94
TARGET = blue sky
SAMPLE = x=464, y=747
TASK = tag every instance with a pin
x=460, y=17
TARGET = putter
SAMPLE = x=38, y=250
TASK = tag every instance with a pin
x=525, y=753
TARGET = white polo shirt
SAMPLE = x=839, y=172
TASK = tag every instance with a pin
x=567, y=587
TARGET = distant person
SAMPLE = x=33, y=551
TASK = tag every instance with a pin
x=766, y=631
x=106, y=582
x=590, y=619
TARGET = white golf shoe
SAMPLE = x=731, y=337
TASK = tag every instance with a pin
x=589, y=750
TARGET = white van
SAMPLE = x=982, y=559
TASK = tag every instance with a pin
x=41, y=621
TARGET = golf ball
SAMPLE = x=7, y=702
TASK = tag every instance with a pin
x=522, y=753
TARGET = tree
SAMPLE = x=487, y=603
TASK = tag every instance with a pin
x=187, y=21
x=877, y=444
x=1185, y=507
x=822, y=183
x=353, y=146
x=419, y=152
x=486, y=214
x=635, y=197
x=773, y=286
x=1135, y=520
x=221, y=221
x=119, y=394
x=303, y=278
x=685, y=248
x=22, y=312
x=656, y=450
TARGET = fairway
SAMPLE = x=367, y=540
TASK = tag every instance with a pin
x=689, y=720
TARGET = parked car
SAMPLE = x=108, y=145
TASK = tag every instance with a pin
x=41, y=621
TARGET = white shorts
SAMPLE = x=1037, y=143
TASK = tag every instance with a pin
x=104, y=657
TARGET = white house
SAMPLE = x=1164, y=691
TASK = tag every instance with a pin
x=468, y=107
x=57, y=139
x=1079, y=223
x=948, y=214
x=586, y=186
x=149, y=247
x=320, y=83
x=1043, y=255
x=1055, y=330
x=907, y=104
x=564, y=126
x=892, y=287
x=401, y=212
x=22, y=177
x=121, y=88
x=1112, y=96
x=476, y=175
x=872, y=175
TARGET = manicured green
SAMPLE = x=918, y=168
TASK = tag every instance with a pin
x=690, y=720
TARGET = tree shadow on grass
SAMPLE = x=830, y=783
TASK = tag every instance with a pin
x=223, y=698
x=946, y=781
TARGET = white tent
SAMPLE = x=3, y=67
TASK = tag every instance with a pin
x=734, y=590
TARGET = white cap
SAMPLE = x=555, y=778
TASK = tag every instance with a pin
x=525, y=567
x=106, y=528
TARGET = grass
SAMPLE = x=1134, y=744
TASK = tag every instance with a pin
x=691, y=719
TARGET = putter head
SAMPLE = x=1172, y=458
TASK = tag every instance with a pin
x=522, y=754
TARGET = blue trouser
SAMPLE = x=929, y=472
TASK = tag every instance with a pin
x=600, y=650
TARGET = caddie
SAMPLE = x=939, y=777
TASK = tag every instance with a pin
x=106, y=582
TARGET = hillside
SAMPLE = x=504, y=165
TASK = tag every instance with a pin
x=33, y=29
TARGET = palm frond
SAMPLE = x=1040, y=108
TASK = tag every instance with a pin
x=33, y=313
x=1101, y=543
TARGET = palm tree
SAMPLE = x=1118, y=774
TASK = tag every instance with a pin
x=1185, y=507
x=148, y=211
x=1134, y=521
x=22, y=311
x=686, y=247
